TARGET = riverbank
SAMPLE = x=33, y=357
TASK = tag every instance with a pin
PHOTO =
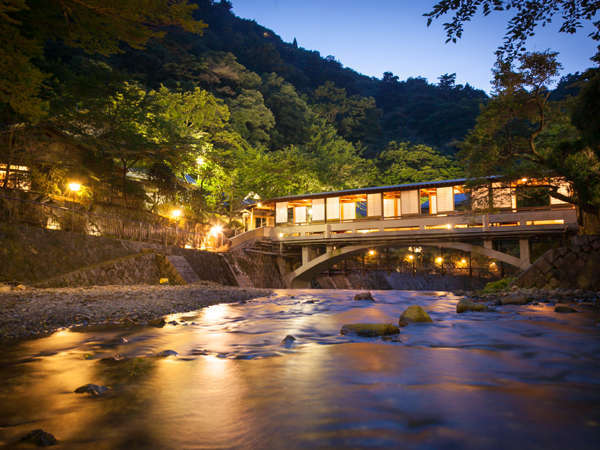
x=28, y=312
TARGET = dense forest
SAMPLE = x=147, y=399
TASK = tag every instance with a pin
x=212, y=110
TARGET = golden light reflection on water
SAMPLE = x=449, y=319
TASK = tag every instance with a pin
x=234, y=384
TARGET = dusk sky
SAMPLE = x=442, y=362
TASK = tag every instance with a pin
x=391, y=35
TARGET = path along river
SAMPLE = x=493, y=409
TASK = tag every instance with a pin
x=520, y=377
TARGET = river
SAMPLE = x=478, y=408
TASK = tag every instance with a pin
x=520, y=377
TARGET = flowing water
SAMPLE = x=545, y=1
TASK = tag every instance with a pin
x=520, y=377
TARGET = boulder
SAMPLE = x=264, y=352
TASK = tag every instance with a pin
x=364, y=296
x=40, y=438
x=370, y=329
x=288, y=341
x=159, y=323
x=414, y=314
x=564, y=309
x=166, y=353
x=465, y=305
x=514, y=299
x=93, y=389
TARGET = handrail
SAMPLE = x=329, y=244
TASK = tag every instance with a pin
x=242, y=238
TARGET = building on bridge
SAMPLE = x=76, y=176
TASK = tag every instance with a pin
x=448, y=214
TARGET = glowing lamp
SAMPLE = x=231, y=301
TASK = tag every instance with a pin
x=463, y=261
x=216, y=230
x=176, y=213
x=439, y=260
x=259, y=205
x=74, y=186
x=410, y=257
x=372, y=252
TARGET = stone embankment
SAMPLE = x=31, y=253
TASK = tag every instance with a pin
x=29, y=312
x=576, y=266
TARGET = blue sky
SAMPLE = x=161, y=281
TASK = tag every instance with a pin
x=376, y=36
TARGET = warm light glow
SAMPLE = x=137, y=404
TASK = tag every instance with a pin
x=523, y=180
x=200, y=160
x=463, y=261
x=176, y=213
x=280, y=235
x=216, y=230
x=259, y=205
x=310, y=211
x=372, y=252
x=74, y=186
x=410, y=257
x=492, y=264
x=439, y=260
x=449, y=226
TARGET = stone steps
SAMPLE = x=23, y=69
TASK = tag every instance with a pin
x=183, y=268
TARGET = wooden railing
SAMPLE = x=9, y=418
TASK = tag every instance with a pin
x=17, y=209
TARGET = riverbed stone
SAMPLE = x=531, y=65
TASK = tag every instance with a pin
x=564, y=309
x=466, y=305
x=514, y=299
x=414, y=314
x=167, y=353
x=364, y=296
x=94, y=390
x=370, y=329
x=158, y=323
x=40, y=438
x=288, y=341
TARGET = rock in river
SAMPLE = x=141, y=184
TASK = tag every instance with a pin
x=465, y=305
x=413, y=314
x=364, y=296
x=288, y=341
x=166, y=353
x=564, y=309
x=40, y=438
x=370, y=329
x=92, y=389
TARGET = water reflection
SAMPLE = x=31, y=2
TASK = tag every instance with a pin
x=521, y=376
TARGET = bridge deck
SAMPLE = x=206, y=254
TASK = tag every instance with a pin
x=417, y=229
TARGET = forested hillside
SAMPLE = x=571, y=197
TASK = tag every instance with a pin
x=210, y=110
x=367, y=110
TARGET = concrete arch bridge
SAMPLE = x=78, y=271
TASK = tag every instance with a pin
x=327, y=227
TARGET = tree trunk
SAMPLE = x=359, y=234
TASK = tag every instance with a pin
x=11, y=138
x=589, y=222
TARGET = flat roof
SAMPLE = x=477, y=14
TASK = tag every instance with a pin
x=375, y=189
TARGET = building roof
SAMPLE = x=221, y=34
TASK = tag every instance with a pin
x=376, y=189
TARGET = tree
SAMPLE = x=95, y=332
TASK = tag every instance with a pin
x=96, y=26
x=521, y=133
x=402, y=163
x=528, y=16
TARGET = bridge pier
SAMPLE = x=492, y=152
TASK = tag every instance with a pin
x=524, y=252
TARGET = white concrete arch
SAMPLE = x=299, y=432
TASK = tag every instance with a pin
x=302, y=275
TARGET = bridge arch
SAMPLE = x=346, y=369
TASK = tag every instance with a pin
x=300, y=277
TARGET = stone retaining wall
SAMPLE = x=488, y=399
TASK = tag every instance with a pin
x=574, y=267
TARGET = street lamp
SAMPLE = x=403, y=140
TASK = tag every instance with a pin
x=216, y=231
x=74, y=188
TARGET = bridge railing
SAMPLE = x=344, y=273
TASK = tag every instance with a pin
x=528, y=220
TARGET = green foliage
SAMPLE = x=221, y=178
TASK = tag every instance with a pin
x=405, y=163
x=497, y=286
x=527, y=16
x=96, y=26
